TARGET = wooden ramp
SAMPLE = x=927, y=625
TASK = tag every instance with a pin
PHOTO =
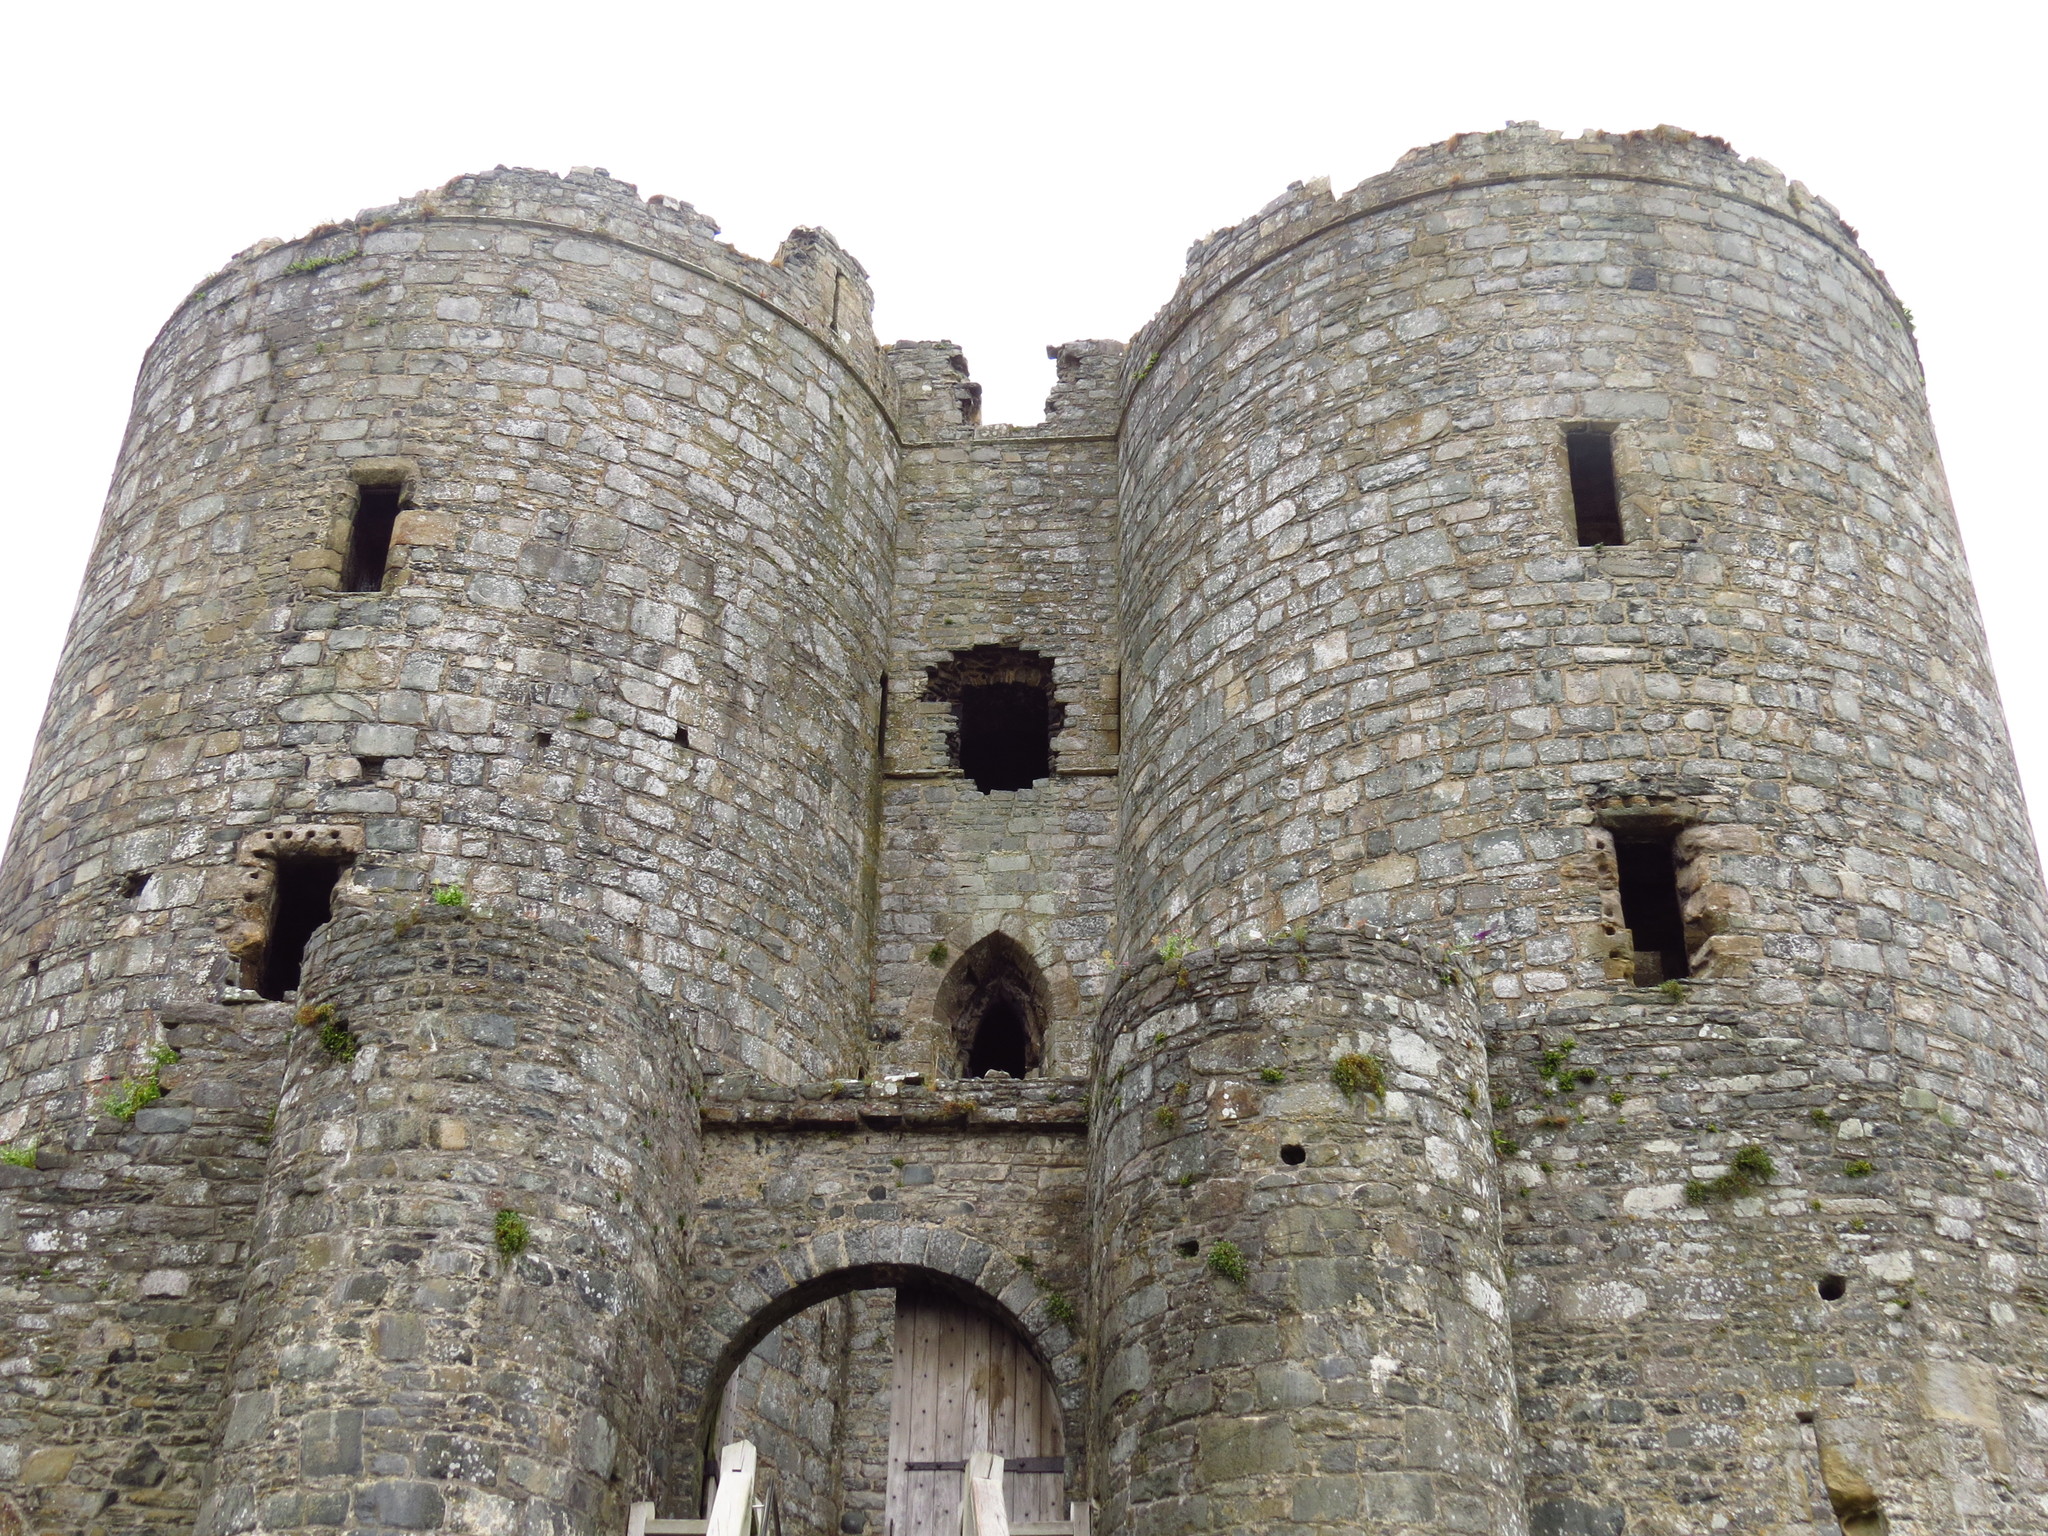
x=982, y=1511
x=745, y=1504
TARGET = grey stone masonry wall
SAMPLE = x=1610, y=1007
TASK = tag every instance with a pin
x=1303, y=1319
x=1681, y=1360
x=1372, y=676
x=404, y=1360
x=123, y=1252
x=789, y=1398
x=1007, y=537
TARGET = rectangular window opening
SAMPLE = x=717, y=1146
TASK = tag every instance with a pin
x=1649, y=904
x=304, y=900
x=1596, y=504
x=369, y=538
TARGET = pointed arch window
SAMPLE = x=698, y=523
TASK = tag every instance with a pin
x=995, y=1003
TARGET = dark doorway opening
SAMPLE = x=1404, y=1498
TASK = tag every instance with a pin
x=1648, y=868
x=995, y=1002
x=1004, y=715
x=303, y=901
x=1596, y=503
x=369, y=538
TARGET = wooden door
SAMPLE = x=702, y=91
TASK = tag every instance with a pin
x=965, y=1382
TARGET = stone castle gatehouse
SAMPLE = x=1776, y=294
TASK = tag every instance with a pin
x=1411, y=916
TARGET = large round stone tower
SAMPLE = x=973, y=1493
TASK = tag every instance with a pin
x=1548, y=537
x=1412, y=916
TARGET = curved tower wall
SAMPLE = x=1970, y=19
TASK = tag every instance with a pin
x=1299, y=1290
x=650, y=485
x=1371, y=677
x=466, y=1279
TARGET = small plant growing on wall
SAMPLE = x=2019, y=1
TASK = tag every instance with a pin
x=450, y=896
x=1357, y=1073
x=511, y=1233
x=19, y=1154
x=1272, y=1075
x=137, y=1093
x=1059, y=1309
x=937, y=953
x=1860, y=1168
x=336, y=1039
x=1227, y=1260
x=1554, y=1065
x=1748, y=1170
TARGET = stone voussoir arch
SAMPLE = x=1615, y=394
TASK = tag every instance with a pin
x=868, y=1256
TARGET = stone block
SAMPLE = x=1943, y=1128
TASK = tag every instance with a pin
x=401, y=1505
x=331, y=1442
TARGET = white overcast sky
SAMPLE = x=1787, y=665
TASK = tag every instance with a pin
x=1010, y=174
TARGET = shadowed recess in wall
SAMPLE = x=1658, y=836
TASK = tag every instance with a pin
x=1004, y=715
x=994, y=1003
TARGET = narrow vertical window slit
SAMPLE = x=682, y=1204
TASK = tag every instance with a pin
x=369, y=538
x=1596, y=504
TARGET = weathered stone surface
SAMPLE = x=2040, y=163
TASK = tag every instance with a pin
x=1351, y=736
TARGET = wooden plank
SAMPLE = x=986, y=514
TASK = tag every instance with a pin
x=732, y=1509
x=978, y=1385
x=896, y=1487
x=1051, y=1439
x=637, y=1516
x=952, y=1417
x=981, y=1497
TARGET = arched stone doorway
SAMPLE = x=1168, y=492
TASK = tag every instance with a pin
x=994, y=1004
x=947, y=1347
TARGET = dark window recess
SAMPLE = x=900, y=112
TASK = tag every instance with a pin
x=682, y=735
x=134, y=883
x=369, y=538
x=1004, y=713
x=1596, y=505
x=1832, y=1287
x=543, y=738
x=304, y=900
x=1293, y=1154
x=882, y=724
x=1649, y=904
x=368, y=768
x=1005, y=735
x=1002, y=1038
x=1188, y=1247
x=995, y=1002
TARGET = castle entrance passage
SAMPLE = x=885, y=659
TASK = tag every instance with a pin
x=864, y=1409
